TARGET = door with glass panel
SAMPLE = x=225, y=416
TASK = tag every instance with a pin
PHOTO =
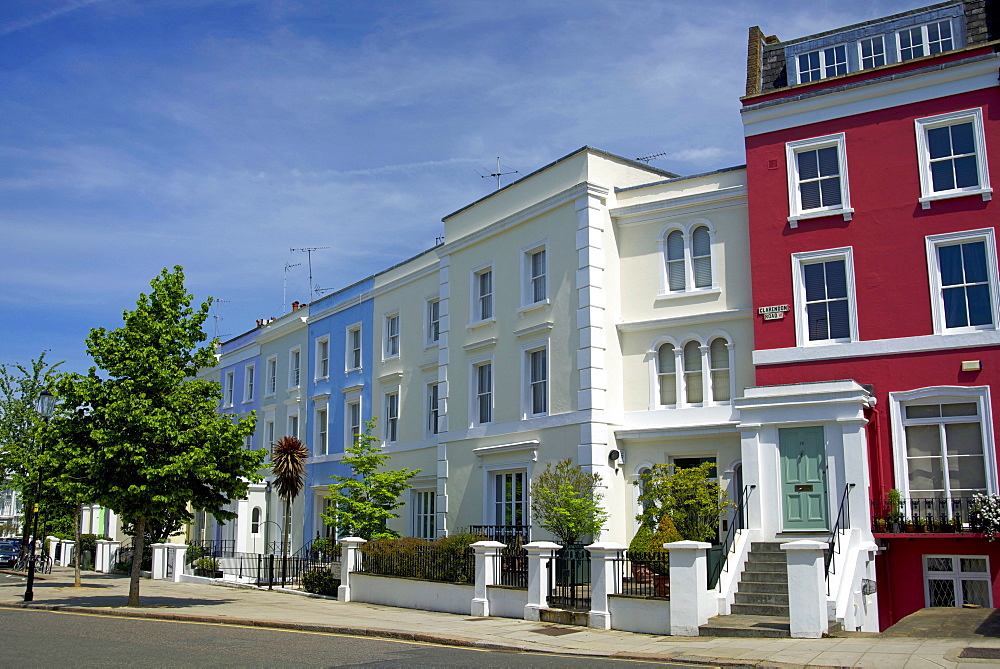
x=510, y=498
x=957, y=580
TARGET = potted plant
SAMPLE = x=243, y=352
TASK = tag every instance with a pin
x=894, y=515
x=637, y=548
x=207, y=567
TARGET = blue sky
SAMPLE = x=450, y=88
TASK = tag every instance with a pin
x=217, y=134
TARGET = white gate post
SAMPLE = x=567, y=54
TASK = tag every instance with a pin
x=101, y=556
x=53, y=547
x=689, y=597
x=487, y=556
x=349, y=563
x=180, y=554
x=159, y=561
x=67, y=552
x=540, y=556
x=604, y=580
x=806, y=589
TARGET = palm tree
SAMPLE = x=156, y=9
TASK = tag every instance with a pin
x=288, y=457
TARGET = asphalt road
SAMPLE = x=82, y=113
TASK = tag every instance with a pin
x=52, y=639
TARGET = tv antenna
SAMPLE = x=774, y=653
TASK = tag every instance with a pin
x=651, y=157
x=309, y=251
x=216, y=317
x=323, y=290
x=284, y=287
x=496, y=175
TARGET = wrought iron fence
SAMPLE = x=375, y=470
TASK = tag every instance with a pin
x=253, y=568
x=125, y=555
x=569, y=578
x=427, y=561
x=957, y=515
x=213, y=547
x=512, y=567
x=507, y=534
x=642, y=573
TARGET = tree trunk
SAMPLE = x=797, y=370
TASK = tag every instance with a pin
x=288, y=516
x=138, y=546
x=79, y=553
x=26, y=528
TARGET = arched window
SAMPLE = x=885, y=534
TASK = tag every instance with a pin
x=701, y=257
x=676, y=272
x=718, y=362
x=694, y=392
x=255, y=520
x=666, y=369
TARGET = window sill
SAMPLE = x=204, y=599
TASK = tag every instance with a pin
x=986, y=193
x=793, y=221
x=432, y=345
x=688, y=293
x=528, y=308
x=481, y=324
x=352, y=370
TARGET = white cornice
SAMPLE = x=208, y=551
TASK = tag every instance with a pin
x=476, y=345
x=271, y=332
x=506, y=449
x=392, y=376
x=678, y=321
x=428, y=366
x=518, y=217
x=336, y=308
x=860, y=349
x=727, y=427
x=356, y=388
x=893, y=91
x=401, y=281
x=534, y=329
x=240, y=355
x=723, y=198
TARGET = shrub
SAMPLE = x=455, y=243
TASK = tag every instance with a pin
x=193, y=553
x=207, y=563
x=320, y=582
x=446, y=559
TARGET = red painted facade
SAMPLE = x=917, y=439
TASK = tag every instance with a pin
x=887, y=234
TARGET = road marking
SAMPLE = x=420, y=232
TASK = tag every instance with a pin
x=348, y=636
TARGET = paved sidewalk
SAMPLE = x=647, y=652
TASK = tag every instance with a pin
x=210, y=603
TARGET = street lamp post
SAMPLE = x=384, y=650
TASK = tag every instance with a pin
x=45, y=405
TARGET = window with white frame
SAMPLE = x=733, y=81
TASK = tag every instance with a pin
x=962, y=269
x=294, y=368
x=482, y=307
x=248, y=442
x=925, y=40
x=433, y=407
x=871, y=51
x=392, y=416
x=423, y=513
x=945, y=456
x=248, y=383
x=537, y=367
x=666, y=373
x=694, y=391
x=482, y=409
x=230, y=384
x=325, y=509
x=391, y=349
x=951, y=151
x=271, y=380
x=957, y=580
x=353, y=413
x=823, y=63
x=268, y=434
x=510, y=498
x=433, y=321
x=323, y=357
x=824, y=296
x=322, y=446
x=293, y=425
x=534, y=267
x=255, y=520
x=817, y=177
x=719, y=369
x=353, y=348
x=687, y=259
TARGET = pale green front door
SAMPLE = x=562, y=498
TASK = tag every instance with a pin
x=803, y=478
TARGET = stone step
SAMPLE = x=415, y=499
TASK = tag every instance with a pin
x=773, y=588
x=767, y=557
x=766, y=547
x=746, y=626
x=766, y=566
x=760, y=609
x=768, y=598
x=764, y=577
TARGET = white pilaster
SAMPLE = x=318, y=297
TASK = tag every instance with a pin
x=349, y=563
x=604, y=580
x=540, y=557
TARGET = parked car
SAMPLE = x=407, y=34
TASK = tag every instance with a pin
x=8, y=554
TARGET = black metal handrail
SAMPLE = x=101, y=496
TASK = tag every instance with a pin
x=741, y=520
x=956, y=515
x=833, y=542
x=506, y=534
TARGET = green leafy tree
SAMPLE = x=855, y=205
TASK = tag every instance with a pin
x=364, y=501
x=689, y=497
x=566, y=501
x=160, y=449
x=20, y=386
x=288, y=463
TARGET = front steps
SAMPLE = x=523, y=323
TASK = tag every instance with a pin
x=761, y=601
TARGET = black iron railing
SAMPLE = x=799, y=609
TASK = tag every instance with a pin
x=214, y=547
x=569, y=578
x=843, y=523
x=428, y=561
x=124, y=556
x=506, y=534
x=956, y=515
x=741, y=521
x=642, y=573
x=512, y=567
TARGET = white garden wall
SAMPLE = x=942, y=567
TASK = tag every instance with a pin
x=507, y=602
x=634, y=614
x=410, y=593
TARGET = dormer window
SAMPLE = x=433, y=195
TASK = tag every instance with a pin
x=872, y=52
x=823, y=63
x=925, y=40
